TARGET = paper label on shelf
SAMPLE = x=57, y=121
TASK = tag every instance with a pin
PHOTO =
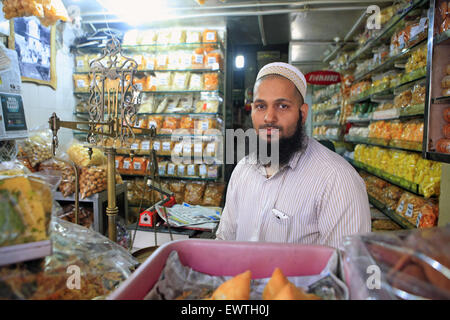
x=211, y=61
x=156, y=145
x=161, y=171
x=81, y=83
x=198, y=58
x=187, y=148
x=400, y=207
x=166, y=146
x=138, y=59
x=212, y=172
x=152, y=124
x=211, y=148
x=145, y=145
x=150, y=65
x=181, y=168
x=171, y=169
x=117, y=164
x=196, y=81
x=204, y=125
x=191, y=170
x=126, y=164
x=210, y=36
x=202, y=170
x=163, y=80
x=162, y=60
x=409, y=210
x=178, y=148
x=198, y=147
x=180, y=80
x=137, y=166
x=135, y=146
x=419, y=217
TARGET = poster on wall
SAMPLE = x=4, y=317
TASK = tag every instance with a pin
x=35, y=47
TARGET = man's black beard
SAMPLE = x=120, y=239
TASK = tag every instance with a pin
x=287, y=146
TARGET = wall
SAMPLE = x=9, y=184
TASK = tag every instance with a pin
x=41, y=101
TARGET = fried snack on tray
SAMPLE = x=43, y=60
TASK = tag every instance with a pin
x=237, y=288
x=280, y=288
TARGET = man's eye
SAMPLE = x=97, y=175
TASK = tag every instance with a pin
x=283, y=106
x=260, y=106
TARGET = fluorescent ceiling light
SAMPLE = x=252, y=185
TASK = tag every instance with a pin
x=136, y=12
x=240, y=61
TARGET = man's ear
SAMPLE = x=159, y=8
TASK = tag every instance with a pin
x=304, y=110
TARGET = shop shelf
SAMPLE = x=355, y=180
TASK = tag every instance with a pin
x=390, y=62
x=84, y=114
x=400, y=182
x=162, y=92
x=331, y=110
x=156, y=47
x=327, y=123
x=411, y=146
x=401, y=221
x=414, y=110
x=359, y=120
x=437, y=156
x=171, y=177
x=163, y=70
x=25, y=252
x=442, y=38
x=322, y=137
x=441, y=100
x=386, y=31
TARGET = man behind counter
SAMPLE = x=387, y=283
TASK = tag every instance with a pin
x=313, y=196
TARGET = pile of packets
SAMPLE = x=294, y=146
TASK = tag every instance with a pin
x=407, y=165
x=48, y=11
x=419, y=211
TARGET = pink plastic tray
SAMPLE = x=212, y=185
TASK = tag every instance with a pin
x=226, y=258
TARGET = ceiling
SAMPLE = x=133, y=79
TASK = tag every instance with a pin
x=313, y=29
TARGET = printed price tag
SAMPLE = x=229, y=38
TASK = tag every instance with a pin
x=198, y=58
x=162, y=60
x=150, y=65
x=211, y=148
x=166, y=146
x=137, y=166
x=409, y=210
x=419, y=217
x=211, y=61
x=117, y=164
x=210, y=36
x=178, y=148
x=205, y=125
x=81, y=84
x=126, y=164
x=191, y=170
x=135, y=146
x=181, y=168
x=198, y=148
x=187, y=148
x=202, y=170
x=171, y=169
x=145, y=145
x=400, y=207
x=156, y=145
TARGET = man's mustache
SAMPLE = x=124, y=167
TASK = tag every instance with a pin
x=265, y=126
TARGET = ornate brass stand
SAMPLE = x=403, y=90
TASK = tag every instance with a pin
x=112, y=116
